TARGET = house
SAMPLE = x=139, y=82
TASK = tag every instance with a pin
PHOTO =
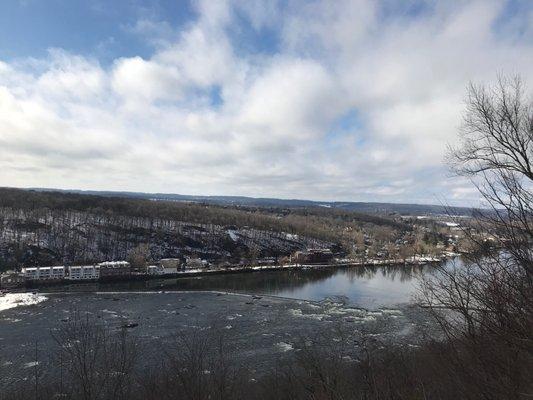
x=75, y=273
x=31, y=273
x=194, y=263
x=44, y=273
x=58, y=272
x=154, y=270
x=266, y=261
x=83, y=272
x=114, y=269
x=312, y=256
x=90, y=272
x=170, y=265
x=223, y=264
x=12, y=279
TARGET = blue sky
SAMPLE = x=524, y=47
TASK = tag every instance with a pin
x=103, y=29
x=328, y=100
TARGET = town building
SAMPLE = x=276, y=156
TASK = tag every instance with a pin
x=266, y=261
x=12, y=279
x=30, y=273
x=170, y=265
x=312, y=256
x=154, y=270
x=83, y=272
x=75, y=273
x=44, y=273
x=194, y=263
x=110, y=269
x=58, y=272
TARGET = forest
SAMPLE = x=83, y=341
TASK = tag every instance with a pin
x=44, y=228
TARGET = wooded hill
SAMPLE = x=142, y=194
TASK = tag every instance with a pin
x=53, y=227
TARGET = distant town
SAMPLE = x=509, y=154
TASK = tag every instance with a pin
x=172, y=267
x=52, y=238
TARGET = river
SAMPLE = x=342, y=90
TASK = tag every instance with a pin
x=264, y=313
x=368, y=287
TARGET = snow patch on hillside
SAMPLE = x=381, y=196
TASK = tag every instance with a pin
x=233, y=235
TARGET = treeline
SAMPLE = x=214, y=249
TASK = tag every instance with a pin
x=318, y=222
x=45, y=228
x=44, y=237
x=51, y=227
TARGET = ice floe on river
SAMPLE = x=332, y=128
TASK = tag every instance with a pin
x=284, y=347
x=327, y=309
x=11, y=300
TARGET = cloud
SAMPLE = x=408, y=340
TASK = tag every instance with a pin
x=351, y=100
x=71, y=77
x=293, y=99
x=134, y=79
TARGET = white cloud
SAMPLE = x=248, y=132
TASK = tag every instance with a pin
x=204, y=115
x=135, y=78
x=293, y=99
x=70, y=76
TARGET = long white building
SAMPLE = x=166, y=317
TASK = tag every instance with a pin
x=58, y=272
x=75, y=272
x=83, y=272
x=43, y=273
x=30, y=273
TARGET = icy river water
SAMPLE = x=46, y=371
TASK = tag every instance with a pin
x=369, y=287
x=264, y=315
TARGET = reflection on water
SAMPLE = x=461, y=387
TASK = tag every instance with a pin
x=368, y=287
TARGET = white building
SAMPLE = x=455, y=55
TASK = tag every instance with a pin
x=114, y=264
x=84, y=272
x=44, y=273
x=154, y=270
x=30, y=273
x=90, y=272
x=74, y=273
x=114, y=269
x=170, y=265
x=194, y=263
x=58, y=272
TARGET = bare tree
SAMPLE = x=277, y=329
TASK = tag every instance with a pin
x=95, y=362
x=485, y=307
x=139, y=256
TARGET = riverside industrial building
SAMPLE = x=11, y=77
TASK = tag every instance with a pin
x=104, y=270
x=107, y=269
x=77, y=272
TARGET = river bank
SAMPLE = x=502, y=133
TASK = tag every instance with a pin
x=239, y=269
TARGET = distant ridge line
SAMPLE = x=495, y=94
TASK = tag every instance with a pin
x=364, y=207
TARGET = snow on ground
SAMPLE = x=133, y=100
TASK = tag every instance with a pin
x=233, y=235
x=11, y=300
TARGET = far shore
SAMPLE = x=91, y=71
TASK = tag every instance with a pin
x=344, y=263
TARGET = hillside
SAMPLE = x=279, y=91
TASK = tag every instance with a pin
x=362, y=207
x=53, y=227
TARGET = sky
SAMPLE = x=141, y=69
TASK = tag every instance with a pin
x=326, y=100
